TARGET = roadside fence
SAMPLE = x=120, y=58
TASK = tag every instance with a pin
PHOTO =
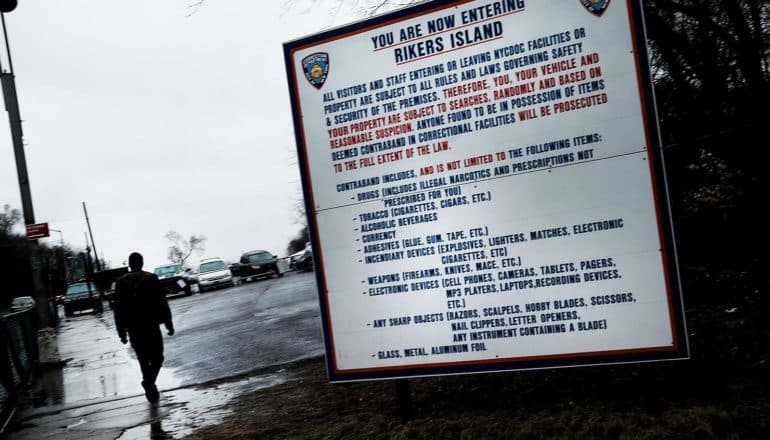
x=18, y=357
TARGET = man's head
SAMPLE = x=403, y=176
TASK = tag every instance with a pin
x=135, y=261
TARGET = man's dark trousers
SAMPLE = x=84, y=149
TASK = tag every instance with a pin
x=148, y=345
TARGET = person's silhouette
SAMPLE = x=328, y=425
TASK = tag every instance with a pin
x=140, y=308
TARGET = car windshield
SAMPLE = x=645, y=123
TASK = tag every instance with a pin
x=259, y=257
x=211, y=266
x=21, y=301
x=77, y=289
x=168, y=270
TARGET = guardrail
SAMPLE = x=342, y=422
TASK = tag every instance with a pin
x=18, y=357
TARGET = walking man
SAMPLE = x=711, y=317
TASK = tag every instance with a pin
x=140, y=308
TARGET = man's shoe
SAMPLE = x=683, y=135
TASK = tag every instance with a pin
x=151, y=392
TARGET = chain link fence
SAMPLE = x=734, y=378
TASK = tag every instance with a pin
x=18, y=356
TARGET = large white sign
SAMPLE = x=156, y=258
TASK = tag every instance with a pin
x=485, y=189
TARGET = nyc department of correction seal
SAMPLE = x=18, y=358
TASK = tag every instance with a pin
x=316, y=68
x=596, y=7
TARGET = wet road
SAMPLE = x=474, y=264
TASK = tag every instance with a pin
x=219, y=334
x=226, y=332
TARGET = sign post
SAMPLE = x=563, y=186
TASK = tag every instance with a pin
x=485, y=189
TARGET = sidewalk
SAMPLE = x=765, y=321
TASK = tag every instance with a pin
x=179, y=413
x=95, y=392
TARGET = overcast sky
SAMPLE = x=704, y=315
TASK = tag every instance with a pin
x=160, y=121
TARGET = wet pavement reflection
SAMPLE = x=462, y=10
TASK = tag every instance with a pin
x=178, y=414
x=193, y=409
x=96, y=365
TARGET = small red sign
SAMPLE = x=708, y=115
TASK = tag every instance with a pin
x=38, y=230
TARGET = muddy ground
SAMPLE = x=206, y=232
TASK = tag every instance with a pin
x=719, y=393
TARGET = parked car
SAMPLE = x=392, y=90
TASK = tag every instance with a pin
x=256, y=264
x=82, y=296
x=22, y=303
x=212, y=273
x=174, y=279
x=302, y=260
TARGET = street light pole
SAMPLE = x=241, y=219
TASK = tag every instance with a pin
x=12, y=107
x=14, y=118
x=61, y=236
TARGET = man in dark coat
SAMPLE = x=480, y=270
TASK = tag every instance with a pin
x=140, y=308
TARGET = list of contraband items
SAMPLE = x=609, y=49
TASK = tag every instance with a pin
x=425, y=157
x=474, y=266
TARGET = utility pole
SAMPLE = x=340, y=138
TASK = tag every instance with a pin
x=61, y=236
x=86, y=261
x=88, y=265
x=14, y=118
x=93, y=244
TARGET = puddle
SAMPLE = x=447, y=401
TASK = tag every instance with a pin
x=81, y=381
x=97, y=366
x=192, y=409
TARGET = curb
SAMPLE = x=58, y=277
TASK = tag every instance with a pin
x=6, y=418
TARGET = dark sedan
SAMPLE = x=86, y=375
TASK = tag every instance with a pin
x=174, y=279
x=82, y=296
x=256, y=264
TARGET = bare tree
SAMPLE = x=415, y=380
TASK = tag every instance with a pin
x=298, y=242
x=181, y=248
x=193, y=7
x=9, y=217
x=363, y=8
